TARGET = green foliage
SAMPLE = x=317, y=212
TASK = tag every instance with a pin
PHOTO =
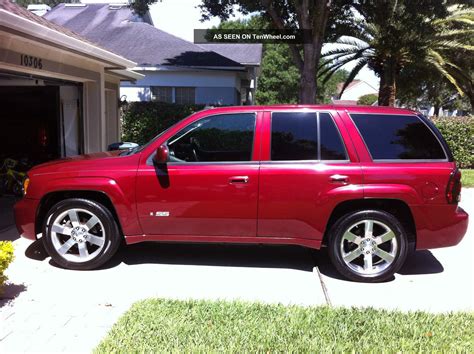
x=396, y=34
x=467, y=177
x=170, y=326
x=6, y=257
x=367, y=100
x=141, y=121
x=279, y=79
x=459, y=134
x=141, y=7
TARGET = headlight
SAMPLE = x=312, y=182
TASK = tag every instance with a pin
x=26, y=183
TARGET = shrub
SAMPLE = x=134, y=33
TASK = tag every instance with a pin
x=141, y=121
x=6, y=257
x=367, y=100
x=459, y=134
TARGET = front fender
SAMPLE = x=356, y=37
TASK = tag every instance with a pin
x=124, y=203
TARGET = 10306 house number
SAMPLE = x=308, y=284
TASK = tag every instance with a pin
x=31, y=61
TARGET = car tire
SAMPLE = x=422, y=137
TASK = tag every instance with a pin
x=368, y=246
x=80, y=234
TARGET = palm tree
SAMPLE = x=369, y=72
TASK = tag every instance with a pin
x=392, y=35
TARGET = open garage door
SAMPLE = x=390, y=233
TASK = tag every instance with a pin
x=40, y=119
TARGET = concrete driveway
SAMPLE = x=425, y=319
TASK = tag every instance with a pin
x=51, y=309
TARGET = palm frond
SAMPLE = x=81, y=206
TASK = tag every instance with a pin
x=439, y=63
x=361, y=63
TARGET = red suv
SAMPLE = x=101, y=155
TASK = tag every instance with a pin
x=367, y=182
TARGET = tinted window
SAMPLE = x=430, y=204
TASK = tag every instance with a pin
x=294, y=136
x=393, y=137
x=332, y=147
x=226, y=137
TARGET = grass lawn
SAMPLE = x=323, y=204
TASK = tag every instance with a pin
x=467, y=178
x=156, y=325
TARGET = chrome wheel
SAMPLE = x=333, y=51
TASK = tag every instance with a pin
x=368, y=247
x=77, y=235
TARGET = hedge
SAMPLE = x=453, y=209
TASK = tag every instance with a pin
x=143, y=120
x=459, y=134
x=6, y=257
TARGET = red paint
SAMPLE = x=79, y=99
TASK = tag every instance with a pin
x=255, y=202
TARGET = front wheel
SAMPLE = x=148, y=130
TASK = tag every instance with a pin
x=368, y=246
x=80, y=234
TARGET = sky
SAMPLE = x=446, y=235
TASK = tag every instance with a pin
x=181, y=17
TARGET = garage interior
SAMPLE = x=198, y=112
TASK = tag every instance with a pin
x=40, y=121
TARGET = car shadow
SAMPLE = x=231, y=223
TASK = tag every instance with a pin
x=258, y=256
x=421, y=262
x=235, y=255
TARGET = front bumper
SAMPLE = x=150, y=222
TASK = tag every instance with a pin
x=25, y=217
x=440, y=226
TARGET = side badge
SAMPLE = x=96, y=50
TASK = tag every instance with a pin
x=160, y=213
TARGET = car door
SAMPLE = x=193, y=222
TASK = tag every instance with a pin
x=306, y=170
x=209, y=187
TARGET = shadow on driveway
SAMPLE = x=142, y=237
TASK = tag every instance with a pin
x=10, y=292
x=257, y=256
x=8, y=230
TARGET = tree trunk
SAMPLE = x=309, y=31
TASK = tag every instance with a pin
x=471, y=100
x=437, y=107
x=388, y=87
x=307, y=90
x=311, y=15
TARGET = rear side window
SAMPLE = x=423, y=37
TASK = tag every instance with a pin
x=331, y=142
x=398, y=137
x=296, y=136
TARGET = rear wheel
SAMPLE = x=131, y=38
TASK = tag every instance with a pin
x=368, y=246
x=80, y=234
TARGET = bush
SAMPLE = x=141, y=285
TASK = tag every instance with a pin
x=459, y=134
x=141, y=121
x=367, y=100
x=6, y=257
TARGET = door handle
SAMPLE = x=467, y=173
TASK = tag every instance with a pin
x=238, y=179
x=339, y=179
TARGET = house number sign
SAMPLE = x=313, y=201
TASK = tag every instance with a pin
x=31, y=61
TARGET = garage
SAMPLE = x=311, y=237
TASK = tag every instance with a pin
x=44, y=113
x=59, y=93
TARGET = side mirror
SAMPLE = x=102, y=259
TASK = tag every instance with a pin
x=121, y=146
x=161, y=155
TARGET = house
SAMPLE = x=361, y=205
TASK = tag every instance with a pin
x=353, y=92
x=58, y=91
x=175, y=70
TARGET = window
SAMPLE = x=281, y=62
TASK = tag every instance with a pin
x=332, y=147
x=162, y=94
x=295, y=137
x=185, y=95
x=219, y=138
x=398, y=137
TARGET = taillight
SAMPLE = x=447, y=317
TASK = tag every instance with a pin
x=453, y=191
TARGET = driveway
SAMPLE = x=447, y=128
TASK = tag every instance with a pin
x=51, y=309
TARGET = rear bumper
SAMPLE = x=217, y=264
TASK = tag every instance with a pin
x=25, y=216
x=439, y=226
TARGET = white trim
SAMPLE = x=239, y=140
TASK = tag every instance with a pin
x=127, y=74
x=187, y=68
x=37, y=30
